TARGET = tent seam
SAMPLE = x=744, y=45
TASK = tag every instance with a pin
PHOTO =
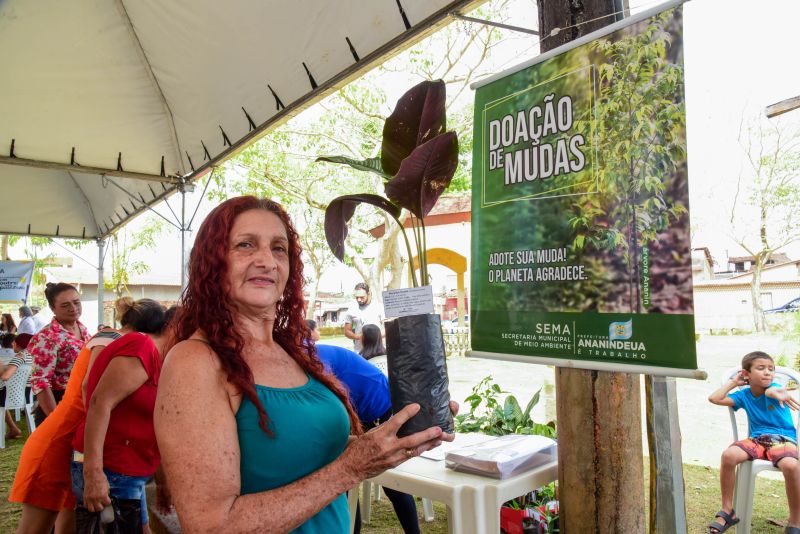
x=149, y=69
x=86, y=200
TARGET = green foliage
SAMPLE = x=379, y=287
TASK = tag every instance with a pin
x=123, y=264
x=370, y=164
x=488, y=416
x=641, y=138
x=279, y=166
x=763, y=214
x=330, y=331
x=34, y=250
x=791, y=334
x=420, y=156
x=349, y=122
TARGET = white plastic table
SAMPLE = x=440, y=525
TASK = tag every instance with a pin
x=473, y=501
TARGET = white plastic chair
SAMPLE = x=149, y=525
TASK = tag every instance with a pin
x=31, y=400
x=16, y=399
x=381, y=363
x=747, y=472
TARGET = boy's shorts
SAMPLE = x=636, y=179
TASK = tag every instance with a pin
x=772, y=447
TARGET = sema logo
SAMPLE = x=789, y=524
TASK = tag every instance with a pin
x=620, y=330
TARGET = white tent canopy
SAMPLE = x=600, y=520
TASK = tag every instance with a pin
x=108, y=106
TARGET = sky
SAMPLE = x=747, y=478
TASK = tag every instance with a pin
x=738, y=60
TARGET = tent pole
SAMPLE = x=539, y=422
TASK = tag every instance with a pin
x=100, y=289
x=184, y=187
x=183, y=235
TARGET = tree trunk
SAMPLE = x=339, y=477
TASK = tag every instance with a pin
x=396, y=262
x=759, y=321
x=312, y=297
x=4, y=248
x=571, y=18
x=760, y=259
x=599, y=415
x=601, y=485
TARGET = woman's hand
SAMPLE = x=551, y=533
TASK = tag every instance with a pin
x=380, y=449
x=454, y=408
x=95, y=489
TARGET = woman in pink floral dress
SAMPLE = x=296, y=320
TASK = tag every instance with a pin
x=55, y=348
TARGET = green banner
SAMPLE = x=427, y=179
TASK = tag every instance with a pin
x=580, y=206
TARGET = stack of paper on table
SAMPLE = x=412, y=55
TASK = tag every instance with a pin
x=504, y=456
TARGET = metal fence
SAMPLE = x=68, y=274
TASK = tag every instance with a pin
x=456, y=341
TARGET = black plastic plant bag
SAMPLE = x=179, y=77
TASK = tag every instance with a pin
x=418, y=371
x=127, y=519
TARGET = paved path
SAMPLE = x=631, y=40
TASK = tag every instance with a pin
x=705, y=428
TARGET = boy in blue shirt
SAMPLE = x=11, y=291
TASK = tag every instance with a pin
x=772, y=437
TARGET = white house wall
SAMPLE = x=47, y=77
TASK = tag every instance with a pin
x=728, y=307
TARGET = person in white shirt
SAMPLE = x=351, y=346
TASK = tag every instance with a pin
x=27, y=324
x=364, y=312
x=38, y=321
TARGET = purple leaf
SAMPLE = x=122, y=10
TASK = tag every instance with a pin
x=425, y=174
x=418, y=117
x=341, y=210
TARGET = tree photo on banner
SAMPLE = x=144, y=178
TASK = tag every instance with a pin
x=581, y=242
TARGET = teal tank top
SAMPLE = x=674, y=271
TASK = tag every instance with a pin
x=311, y=427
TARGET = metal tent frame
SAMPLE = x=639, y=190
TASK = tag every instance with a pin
x=110, y=106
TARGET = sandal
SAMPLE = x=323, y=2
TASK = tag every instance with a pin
x=728, y=521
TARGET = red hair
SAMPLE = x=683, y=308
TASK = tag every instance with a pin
x=206, y=306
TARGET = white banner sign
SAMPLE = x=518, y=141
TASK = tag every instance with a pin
x=15, y=280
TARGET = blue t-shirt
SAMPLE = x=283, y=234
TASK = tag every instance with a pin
x=368, y=386
x=764, y=414
x=311, y=427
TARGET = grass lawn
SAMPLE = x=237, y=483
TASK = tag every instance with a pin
x=702, y=500
x=10, y=512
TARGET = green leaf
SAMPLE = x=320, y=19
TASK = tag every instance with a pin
x=533, y=402
x=368, y=165
x=512, y=411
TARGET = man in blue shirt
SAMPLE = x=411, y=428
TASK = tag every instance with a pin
x=369, y=393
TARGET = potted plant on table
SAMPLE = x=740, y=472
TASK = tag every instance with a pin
x=417, y=162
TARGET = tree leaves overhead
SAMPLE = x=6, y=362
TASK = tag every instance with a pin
x=425, y=174
x=341, y=210
x=418, y=117
x=417, y=158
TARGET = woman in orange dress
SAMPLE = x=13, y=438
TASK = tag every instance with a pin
x=42, y=484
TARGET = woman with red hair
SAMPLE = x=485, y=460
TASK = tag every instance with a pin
x=254, y=435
